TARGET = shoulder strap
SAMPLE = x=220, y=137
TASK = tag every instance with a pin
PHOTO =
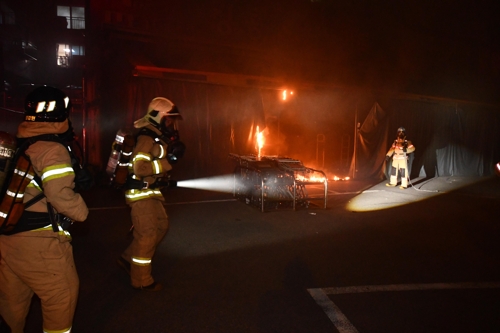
x=166, y=138
x=148, y=132
x=26, y=142
x=22, y=151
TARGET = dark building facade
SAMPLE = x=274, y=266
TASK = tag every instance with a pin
x=225, y=64
x=43, y=43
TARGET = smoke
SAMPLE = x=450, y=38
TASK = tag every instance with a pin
x=10, y=120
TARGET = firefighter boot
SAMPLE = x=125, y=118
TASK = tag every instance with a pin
x=155, y=286
x=124, y=264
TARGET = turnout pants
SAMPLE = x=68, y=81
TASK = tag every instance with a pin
x=150, y=222
x=399, y=165
x=39, y=262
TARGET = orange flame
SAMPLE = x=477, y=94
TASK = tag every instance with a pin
x=315, y=179
x=260, y=141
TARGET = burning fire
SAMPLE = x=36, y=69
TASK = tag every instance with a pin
x=259, y=141
x=314, y=179
x=338, y=178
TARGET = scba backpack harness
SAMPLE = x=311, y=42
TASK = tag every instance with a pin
x=119, y=159
x=13, y=215
x=121, y=151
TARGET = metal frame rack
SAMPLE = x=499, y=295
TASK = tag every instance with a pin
x=275, y=182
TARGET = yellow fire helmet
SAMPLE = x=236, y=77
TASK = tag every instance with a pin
x=158, y=108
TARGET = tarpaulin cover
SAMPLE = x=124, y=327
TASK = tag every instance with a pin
x=317, y=125
x=217, y=120
x=449, y=140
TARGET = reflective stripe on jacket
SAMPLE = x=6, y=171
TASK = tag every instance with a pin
x=52, y=163
x=148, y=163
x=396, y=150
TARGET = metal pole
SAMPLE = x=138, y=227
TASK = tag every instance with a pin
x=262, y=193
x=326, y=191
x=294, y=192
x=355, y=141
x=84, y=115
x=320, y=139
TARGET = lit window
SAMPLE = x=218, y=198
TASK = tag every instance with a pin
x=66, y=51
x=78, y=50
x=75, y=16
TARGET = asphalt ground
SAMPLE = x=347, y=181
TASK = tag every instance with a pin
x=377, y=259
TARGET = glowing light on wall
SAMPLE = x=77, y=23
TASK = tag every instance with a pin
x=285, y=93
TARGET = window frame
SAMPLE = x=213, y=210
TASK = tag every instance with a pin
x=73, y=22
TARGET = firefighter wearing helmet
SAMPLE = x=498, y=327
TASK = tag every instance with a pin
x=157, y=148
x=37, y=256
x=399, y=152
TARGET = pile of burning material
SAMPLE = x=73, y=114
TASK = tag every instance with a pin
x=275, y=182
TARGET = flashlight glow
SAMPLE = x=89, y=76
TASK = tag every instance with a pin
x=285, y=93
x=378, y=197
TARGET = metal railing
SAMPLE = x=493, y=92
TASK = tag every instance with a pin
x=63, y=61
x=75, y=22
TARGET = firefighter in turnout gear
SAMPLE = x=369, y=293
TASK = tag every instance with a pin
x=399, y=152
x=36, y=256
x=157, y=147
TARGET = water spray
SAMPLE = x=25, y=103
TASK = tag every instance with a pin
x=224, y=183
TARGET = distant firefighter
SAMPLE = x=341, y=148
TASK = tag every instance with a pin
x=399, y=152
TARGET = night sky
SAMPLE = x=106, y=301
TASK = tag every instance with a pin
x=438, y=48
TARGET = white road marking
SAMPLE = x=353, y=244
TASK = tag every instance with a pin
x=343, y=325
x=408, y=287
